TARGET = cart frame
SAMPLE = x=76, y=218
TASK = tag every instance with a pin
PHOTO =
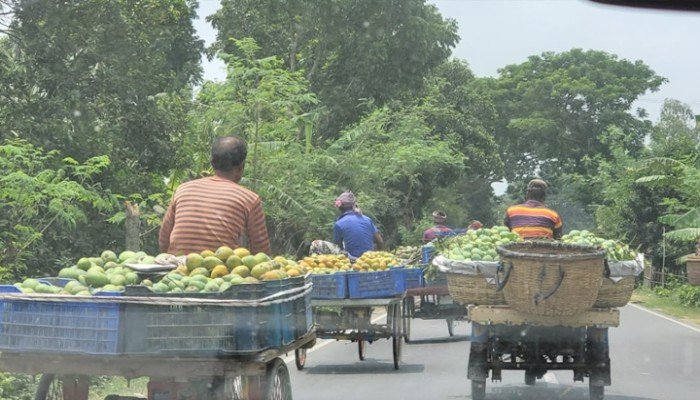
x=434, y=302
x=254, y=376
x=354, y=323
x=504, y=339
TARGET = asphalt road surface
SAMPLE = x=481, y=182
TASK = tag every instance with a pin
x=653, y=358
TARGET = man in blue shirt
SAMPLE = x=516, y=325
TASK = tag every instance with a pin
x=354, y=232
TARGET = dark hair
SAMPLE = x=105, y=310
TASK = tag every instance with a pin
x=537, y=193
x=228, y=152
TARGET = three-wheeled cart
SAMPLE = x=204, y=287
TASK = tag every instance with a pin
x=505, y=339
x=351, y=319
x=429, y=303
x=261, y=375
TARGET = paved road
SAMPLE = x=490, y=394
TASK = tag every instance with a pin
x=652, y=359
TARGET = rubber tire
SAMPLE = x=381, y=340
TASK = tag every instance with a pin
x=408, y=304
x=361, y=349
x=396, y=337
x=530, y=378
x=596, y=392
x=450, y=326
x=42, y=388
x=278, y=386
x=300, y=358
x=478, y=390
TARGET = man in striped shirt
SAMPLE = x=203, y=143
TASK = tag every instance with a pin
x=532, y=219
x=216, y=211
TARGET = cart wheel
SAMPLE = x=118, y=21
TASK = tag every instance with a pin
x=530, y=378
x=43, y=387
x=596, y=392
x=396, y=337
x=450, y=326
x=300, y=358
x=408, y=307
x=361, y=349
x=478, y=390
x=278, y=386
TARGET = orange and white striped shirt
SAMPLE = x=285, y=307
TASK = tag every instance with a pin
x=533, y=219
x=211, y=212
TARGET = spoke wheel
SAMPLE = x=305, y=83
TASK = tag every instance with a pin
x=478, y=390
x=278, y=385
x=396, y=337
x=408, y=306
x=361, y=349
x=300, y=358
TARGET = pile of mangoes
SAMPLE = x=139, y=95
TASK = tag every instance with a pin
x=375, y=261
x=477, y=245
x=208, y=271
x=616, y=250
x=325, y=263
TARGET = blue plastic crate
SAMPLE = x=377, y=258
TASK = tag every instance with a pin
x=412, y=278
x=202, y=331
x=379, y=284
x=58, y=327
x=333, y=286
x=284, y=320
x=427, y=254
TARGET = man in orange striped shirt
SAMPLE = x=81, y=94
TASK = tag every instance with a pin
x=532, y=219
x=216, y=211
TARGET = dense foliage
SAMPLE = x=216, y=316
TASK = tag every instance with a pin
x=342, y=96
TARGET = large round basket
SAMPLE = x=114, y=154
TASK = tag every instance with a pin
x=551, y=278
x=615, y=294
x=473, y=289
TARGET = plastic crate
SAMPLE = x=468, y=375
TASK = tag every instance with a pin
x=333, y=286
x=412, y=278
x=59, y=327
x=379, y=284
x=286, y=312
x=201, y=331
x=427, y=254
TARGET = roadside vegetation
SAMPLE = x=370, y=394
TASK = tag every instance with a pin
x=103, y=103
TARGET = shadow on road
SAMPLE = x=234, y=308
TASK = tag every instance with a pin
x=367, y=367
x=544, y=391
x=447, y=339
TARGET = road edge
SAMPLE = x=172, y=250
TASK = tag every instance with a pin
x=666, y=317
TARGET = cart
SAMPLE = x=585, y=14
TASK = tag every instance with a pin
x=430, y=302
x=504, y=339
x=353, y=322
x=261, y=375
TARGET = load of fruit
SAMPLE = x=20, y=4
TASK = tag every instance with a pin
x=325, y=263
x=409, y=254
x=477, y=245
x=216, y=271
x=375, y=261
x=208, y=271
x=616, y=250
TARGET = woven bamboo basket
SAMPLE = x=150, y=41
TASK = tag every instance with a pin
x=473, y=289
x=615, y=294
x=551, y=278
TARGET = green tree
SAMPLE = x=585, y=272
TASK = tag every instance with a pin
x=556, y=110
x=102, y=77
x=43, y=199
x=350, y=50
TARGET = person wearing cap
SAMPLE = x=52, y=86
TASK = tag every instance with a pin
x=532, y=219
x=354, y=232
x=439, y=229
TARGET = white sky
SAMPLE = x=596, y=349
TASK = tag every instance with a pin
x=495, y=33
